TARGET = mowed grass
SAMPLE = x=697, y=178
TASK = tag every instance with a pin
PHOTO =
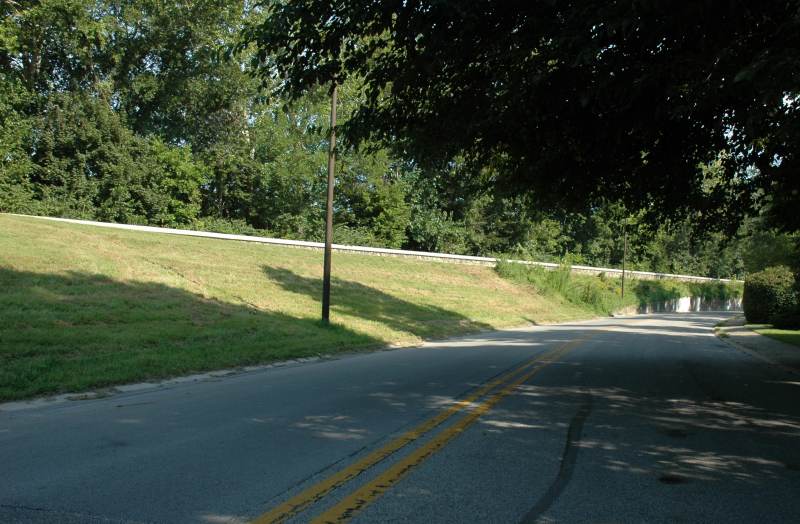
x=86, y=307
x=789, y=336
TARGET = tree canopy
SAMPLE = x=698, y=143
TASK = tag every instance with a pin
x=138, y=111
x=572, y=101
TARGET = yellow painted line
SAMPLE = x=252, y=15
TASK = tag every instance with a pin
x=369, y=492
x=316, y=492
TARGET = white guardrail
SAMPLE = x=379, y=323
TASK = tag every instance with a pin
x=441, y=257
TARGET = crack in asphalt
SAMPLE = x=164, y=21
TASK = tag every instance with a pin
x=568, y=459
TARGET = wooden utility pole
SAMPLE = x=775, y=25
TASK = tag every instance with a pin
x=326, y=272
x=624, y=253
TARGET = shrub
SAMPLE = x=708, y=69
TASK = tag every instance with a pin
x=602, y=295
x=559, y=279
x=769, y=295
x=598, y=295
x=229, y=226
x=790, y=319
x=512, y=271
x=355, y=236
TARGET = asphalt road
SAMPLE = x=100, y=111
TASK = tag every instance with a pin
x=640, y=419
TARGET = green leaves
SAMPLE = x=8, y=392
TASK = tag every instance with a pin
x=576, y=102
x=478, y=127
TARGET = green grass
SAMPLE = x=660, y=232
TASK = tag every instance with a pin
x=86, y=307
x=593, y=294
x=789, y=336
x=603, y=295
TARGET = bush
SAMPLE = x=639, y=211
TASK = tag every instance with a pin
x=229, y=226
x=657, y=291
x=715, y=290
x=790, y=320
x=602, y=295
x=595, y=294
x=769, y=296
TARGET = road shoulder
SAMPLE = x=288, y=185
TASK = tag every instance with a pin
x=735, y=333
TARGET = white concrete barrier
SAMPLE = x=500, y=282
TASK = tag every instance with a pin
x=441, y=257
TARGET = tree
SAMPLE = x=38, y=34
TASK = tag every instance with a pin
x=171, y=72
x=88, y=164
x=16, y=190
x=52, y=45
x=765, y=247
x=573, y=101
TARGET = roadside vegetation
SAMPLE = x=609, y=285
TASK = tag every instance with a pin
x=85, y=307
x=771, y=296
x=603, y=295
x=173, y=128
x=772, y=303
x=92, y=127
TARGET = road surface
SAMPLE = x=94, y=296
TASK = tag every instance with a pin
x=639, y=419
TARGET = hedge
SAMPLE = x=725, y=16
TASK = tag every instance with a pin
x=769, y=296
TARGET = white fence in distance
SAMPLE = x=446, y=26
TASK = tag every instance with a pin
x=440, y=257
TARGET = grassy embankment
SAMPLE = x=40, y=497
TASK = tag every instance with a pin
x=85, y=307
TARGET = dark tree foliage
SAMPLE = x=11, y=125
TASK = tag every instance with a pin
x=134, y=111
x=572, y=100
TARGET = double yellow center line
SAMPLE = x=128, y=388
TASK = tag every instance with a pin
x=370, y=491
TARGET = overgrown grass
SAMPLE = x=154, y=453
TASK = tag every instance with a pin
x=603, y=295
x=789, y=336
x=596, y=295
x=86, y=307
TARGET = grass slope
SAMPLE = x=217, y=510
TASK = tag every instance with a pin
x=789, y=336
x=86, y=307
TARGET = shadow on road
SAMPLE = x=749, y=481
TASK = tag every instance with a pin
x=674, y=413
